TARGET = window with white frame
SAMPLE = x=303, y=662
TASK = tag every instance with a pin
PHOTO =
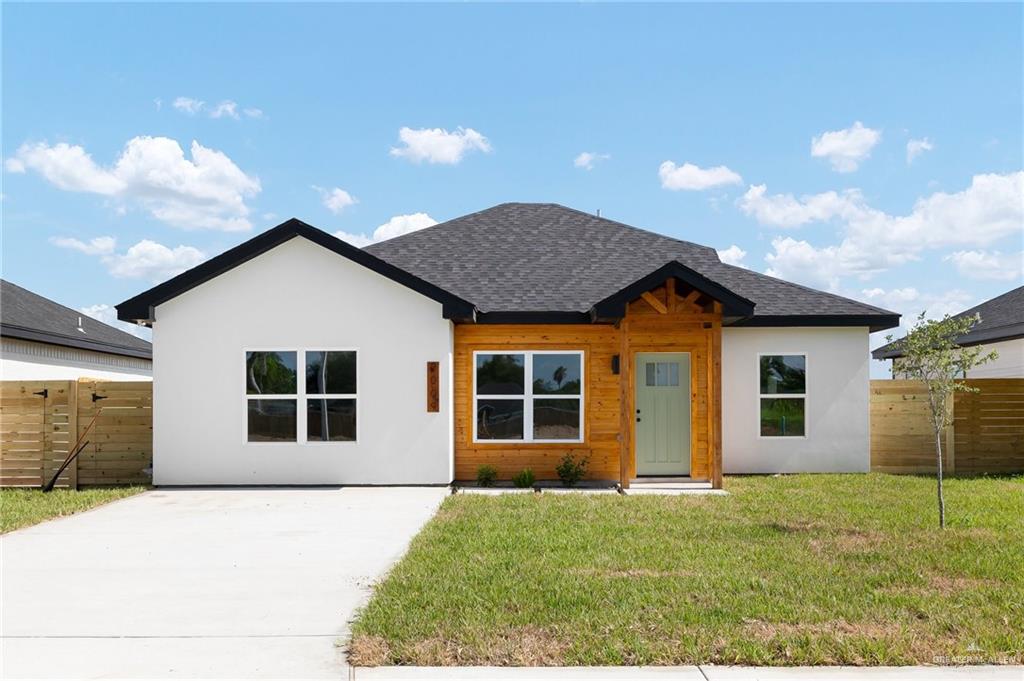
x=782, y=395
x=284, y=404
x=524, y=396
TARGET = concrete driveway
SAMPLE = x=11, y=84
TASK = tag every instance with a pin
x=211, y=583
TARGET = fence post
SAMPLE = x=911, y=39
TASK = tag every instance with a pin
x=72, y=469
x=950, y=463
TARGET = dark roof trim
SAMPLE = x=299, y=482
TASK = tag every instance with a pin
x=875, y=322
x=614, y=306
x=541, y=317
x=996, y=335
x=141, y=306
x=22, y=333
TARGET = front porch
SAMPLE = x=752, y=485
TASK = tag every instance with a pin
x=671, y=320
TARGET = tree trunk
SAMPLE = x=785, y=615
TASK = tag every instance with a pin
x=938, y=462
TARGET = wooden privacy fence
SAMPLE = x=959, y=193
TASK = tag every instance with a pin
x=987, y=435
x=41, y=420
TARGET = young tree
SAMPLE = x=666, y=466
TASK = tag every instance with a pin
x=931, y=354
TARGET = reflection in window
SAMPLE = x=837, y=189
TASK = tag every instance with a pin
x=500, y=374
x=271, y=420
x=330, y=420
x=662, y=373
x=783, y=390
x=548, y=407
x=330, y=372
x=270, y=373
x=499, y=419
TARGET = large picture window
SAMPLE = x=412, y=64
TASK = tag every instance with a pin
x=524, y=396
x=783, y=395
x=316, y=404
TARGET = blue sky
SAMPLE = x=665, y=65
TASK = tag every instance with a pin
x=779, y=131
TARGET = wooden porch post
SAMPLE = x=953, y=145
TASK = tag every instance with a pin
x=625, y=405
x=716, y=398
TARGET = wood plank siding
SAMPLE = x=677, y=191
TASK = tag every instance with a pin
x=666, y=320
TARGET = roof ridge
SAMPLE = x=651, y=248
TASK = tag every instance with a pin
x=632, y=227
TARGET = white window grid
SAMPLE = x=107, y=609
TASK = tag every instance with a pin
x=782, y=396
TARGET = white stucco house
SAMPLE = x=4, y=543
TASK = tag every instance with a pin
x=45, y=341
x=512, y=337
x=1000, y=328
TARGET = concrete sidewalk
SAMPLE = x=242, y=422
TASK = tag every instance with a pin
x=693, y=673
x=201, y=583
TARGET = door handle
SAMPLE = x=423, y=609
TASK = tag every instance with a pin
x=638, y=419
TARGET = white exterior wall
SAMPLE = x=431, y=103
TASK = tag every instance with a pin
x=836, y=413
x=23, y=360
x=300, y=296
x=1009, y=364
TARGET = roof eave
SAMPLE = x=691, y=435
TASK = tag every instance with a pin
x=141, y=308
x=35, y=335
x=874, y=322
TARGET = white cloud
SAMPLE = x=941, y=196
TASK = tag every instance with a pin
x=588, y=159
x=991, y=265
x=846, y=149
x=396, y=226
x=691, y=177
x=917, y=147
x=108, y=315
x=783, y=210
x=101, y=245
x=207, y=192
x=910, y=302
x=188, y=105
x=336, y=200
x=988, y=210
x=226, y=109
x=732, y=256
x=145, y=260
x=437, y=145
x=253, y=112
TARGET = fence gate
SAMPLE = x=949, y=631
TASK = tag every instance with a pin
x=41, y=420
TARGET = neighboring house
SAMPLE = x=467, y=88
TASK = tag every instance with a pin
x=45, y=341
x=511, y=337
x=1001, y=328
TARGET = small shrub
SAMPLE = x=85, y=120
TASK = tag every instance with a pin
x=524, y=478
x=571, y=470
x=486, y=475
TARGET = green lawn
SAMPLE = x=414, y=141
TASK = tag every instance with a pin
x=22, y=507
x=792, y=570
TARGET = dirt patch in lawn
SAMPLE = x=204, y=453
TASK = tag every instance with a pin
x=516, y=647
x=369, y=651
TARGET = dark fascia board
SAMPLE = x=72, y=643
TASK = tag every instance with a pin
x=1002, y=333
x=874, y=322
x=22, y=333
x=140, y=308
x=614, y=306
x=537, y=317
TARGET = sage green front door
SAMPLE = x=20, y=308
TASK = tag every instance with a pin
x=663, y=413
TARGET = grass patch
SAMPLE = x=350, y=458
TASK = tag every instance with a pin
x=791, y=570
x=23, y=507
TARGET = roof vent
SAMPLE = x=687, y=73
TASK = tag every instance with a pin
x=80, y=325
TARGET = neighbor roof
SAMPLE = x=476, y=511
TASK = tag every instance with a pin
x=546, y=258
x=30, y=316
x=1002, y=318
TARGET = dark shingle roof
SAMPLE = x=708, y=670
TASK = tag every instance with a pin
x=1002, y=318
x=528, y=257
x=29, y=316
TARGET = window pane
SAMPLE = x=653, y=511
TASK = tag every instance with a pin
x=272, y=420
x=783, y=374
x=673, y=373
x=330, y=372
x=782, y=417
x=500, y=374
x=270, y=373
x=499, y=419
x=556, y=374
x=556, y=419
x=330, y=420
x=651, y=369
